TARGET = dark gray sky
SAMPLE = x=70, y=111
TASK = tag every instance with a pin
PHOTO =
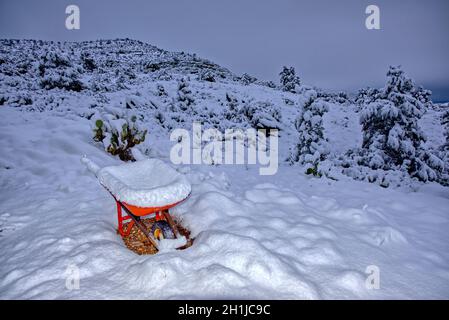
x=325, y=40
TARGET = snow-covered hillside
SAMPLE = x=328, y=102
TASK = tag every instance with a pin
x=289, y=235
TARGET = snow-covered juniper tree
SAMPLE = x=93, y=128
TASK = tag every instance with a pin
x=312, y=146
x=207, y=75
x=232, y=110
x=445, y=123
x=185, y=97
x=392, y=138
x=161, y=90
x=288, y=79
x=365, y=96
x=262, y=115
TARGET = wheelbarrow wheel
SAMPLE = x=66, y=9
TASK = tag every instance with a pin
x=161, y=230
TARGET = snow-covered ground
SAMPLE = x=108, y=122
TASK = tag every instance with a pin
x=281, y=236
x=288, y=235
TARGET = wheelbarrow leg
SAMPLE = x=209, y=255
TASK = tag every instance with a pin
x=122, y=218
x=171, y=223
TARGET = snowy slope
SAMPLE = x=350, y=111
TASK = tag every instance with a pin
x=285, y=236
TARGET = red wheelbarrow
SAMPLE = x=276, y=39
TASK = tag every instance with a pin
x=147, y=188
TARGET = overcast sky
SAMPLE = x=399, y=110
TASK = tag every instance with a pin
x=325, y=40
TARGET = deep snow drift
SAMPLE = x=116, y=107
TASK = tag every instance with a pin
x=289, y=235
x=282, y=236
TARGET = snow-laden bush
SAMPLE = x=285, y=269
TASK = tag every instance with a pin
x=56, y=71
x=288, y=79
x=246, y=79
x=185, y=97
x=232, y=109
x=365, y=96
x=16, y=100
x=312, y=147
x=207, y=75
x=62, y=79
x=161, y=90
x=444, y=149
x=53, y=58
x=262, y=115
x=88, y=61
x=445, y=124
x=119, y=132
x=392, y=138
x=334, y=98
x=180, y=108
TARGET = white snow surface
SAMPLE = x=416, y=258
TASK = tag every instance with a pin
x=282, y=236
x=146, y=183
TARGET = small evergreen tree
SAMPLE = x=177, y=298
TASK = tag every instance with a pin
x=246, y=79
x=289, y=80
x=88, y=61
x=312, y=146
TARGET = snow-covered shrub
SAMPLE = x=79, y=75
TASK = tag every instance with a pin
x=288, y=79
x=55, y=59
x=88, y=61
x=185, y=97
x=207, y=75
x=246, y=79
x=232, y=110
x=335, y=98
x=392, y=138
x=445, y=124
x=351, y=165
x=152, y=67
x=341, y=97
x=365, y=96
x=312, y=147
x=3, y=99
x=270, y=84
x=118, y=133
x=163, y=75
x=444, y=149
x=262, y=115
x=16, y=100
x=56, y=71
x=161, y=90
x=159, y=116
x=62, y=79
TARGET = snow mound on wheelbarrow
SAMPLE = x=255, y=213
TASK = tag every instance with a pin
x=146, y=183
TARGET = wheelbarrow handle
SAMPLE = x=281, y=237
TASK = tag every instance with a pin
x=90, y=165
